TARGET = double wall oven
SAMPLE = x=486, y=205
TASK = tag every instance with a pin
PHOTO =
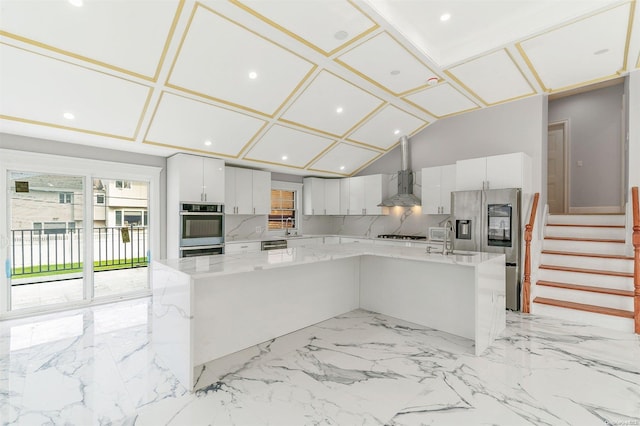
x=201, y=229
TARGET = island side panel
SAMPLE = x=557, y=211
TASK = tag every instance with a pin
x=490, y=302
x=236, y=311
x=431, y=294
x=172, y=320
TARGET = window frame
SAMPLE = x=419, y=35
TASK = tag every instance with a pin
x=65, y=197
x=288, y=186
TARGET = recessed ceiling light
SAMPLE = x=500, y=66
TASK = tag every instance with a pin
x=396, y=132
x=208, y=143
x=431, y=81
x=339, y=110
x=341, y=167
x=68, y=116
x=76, y=3
x=284, y=158
x=600, y=52
x=445, y=17
x=253, y=75
x=341, y=35
x=395, y=72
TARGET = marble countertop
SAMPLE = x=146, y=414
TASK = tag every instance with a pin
x=295, y=237
x=205, y=266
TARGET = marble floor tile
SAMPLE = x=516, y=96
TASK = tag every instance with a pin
x=97, y=366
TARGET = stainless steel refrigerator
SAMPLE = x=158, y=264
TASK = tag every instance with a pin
x=489, y=221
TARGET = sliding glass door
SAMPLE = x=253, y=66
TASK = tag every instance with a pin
x=70, y=238
x=46, y=240
x=120, y=237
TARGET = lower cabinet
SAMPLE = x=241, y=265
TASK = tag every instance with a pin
x=242, y=247
x=304, y=242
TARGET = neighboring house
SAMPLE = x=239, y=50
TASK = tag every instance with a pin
x=120, y=203
x=53, y=203
x=50, y=202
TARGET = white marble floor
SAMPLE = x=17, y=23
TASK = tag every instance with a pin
x=96, y=366
x=107, y=283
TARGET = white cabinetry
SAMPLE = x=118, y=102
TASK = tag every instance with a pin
x=365, y=193
x=190, y=178
x=345, y=194
x=358, y=195
x=321, y=196
x=346, y=240
x=247, y=191
x=313, y=196
x=437, y=185
x=495, y=172
x=304, y=242
x=332, y=239
x=242, y=247
x=196, y=178
x=332, y=196
x=261, y=192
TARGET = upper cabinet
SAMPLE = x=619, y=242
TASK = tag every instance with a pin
x=332, y=196
x=437, y=185
x=196, y=179
x=313, y=196
x=321, y=196
x=247, y=191
x=358, y=195
x=495, y=172
x=365, y=193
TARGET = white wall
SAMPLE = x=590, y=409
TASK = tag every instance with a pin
x=595, y=154
x=634, y=129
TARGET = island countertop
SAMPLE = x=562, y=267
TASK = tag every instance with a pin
x=209, y=266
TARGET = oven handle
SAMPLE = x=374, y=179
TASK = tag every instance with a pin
x=201, y=247
x=184, y=212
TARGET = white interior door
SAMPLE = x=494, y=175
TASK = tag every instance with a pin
x=556, y=183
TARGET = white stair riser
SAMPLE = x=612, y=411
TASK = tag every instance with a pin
x=620, y=283
x=600, y=320
x=582, y=232
x=616, y=265
x=587, y=219
x=583, y=247
x=586, y=297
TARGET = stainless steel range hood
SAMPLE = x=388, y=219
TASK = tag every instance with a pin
x=404, y=197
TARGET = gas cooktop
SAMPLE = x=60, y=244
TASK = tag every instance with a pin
x=402, y=237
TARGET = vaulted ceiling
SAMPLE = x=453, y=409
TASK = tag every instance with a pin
x=313, y=87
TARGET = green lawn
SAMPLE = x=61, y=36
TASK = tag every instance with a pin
x=68, y=268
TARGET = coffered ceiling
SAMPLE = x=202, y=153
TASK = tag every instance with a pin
x=310, y=87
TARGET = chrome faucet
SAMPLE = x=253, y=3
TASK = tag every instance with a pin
x=287, y=229
x=447, y=244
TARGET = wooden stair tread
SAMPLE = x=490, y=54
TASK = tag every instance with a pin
x=584, y=307
x=587, y=271
x=593, y=289
x=593, y=240
x=574, y=253
x=579, y=225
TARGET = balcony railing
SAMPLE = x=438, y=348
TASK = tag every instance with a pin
x=38, y=253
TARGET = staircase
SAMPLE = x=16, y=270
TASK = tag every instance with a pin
x=584, y=274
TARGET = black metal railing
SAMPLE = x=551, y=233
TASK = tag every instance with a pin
x=43, y=252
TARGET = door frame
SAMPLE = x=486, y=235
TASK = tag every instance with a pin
x=564, y=124
x=11, y=160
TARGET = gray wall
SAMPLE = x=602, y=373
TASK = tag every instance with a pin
x=595, y=138
x=22, y=143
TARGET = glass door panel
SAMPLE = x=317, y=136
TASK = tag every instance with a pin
x=46, y=241
x=120, y=237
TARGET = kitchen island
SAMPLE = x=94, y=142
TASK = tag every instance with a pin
x=208, y=309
